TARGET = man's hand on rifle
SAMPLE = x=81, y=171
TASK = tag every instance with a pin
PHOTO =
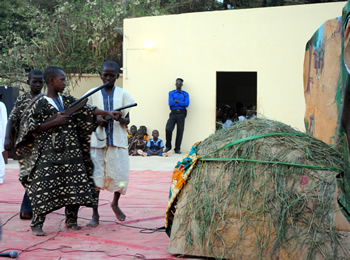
x=61, y=119
x=103, y=120
x=122, y=120
x=117, y=115
x=55, y=120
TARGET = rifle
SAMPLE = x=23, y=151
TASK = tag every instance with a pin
x=124, y=107
x=108, y=118
x=120, y=109
x=78, y=104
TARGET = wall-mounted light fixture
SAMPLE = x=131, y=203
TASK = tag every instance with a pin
x=147, y=45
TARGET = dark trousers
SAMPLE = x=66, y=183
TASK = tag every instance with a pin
x=71, y=212
x=176, y=117
x=26, y=207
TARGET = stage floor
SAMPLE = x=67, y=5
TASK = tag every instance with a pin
x=135, y=238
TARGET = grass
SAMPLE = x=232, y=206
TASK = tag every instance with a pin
x=257, y=203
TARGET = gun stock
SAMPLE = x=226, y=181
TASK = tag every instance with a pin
x=72, y=109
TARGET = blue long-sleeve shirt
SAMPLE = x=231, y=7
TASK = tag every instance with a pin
x=182, y=97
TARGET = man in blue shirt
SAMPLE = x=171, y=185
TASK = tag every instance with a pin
x=178, y=102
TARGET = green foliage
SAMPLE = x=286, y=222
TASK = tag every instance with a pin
x=79, y=35
x=75, y=35
x=239, y=4
x=189, y=6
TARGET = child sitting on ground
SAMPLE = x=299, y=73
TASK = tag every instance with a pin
x=138, y=144
x=144, y=130
x=154, y=146
x=229, y=121
x=131, y=137
x=132, y=131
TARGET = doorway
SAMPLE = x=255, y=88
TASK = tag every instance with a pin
x=236, y=95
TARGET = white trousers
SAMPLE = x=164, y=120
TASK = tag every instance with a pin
x=111, y=168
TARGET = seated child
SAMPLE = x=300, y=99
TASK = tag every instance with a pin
x=138, y=144
x=131, y=137
x=154, y=146
x=229, y=121
x=144, y=130
x=132, y=131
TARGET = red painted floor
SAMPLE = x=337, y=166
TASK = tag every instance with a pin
x=144, y=204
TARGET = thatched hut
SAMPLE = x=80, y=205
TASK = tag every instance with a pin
x=258, y=190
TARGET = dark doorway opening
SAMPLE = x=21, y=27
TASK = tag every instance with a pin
x=236, y=94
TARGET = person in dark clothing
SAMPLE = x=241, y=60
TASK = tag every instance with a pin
x=178, y=102
x=24, y=149
x=139, y=143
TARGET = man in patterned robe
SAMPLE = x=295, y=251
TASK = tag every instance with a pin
x=24, y=148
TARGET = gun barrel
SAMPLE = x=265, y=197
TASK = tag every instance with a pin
x=88, y=94
x=124, y=107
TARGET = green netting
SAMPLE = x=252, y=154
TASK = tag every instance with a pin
x=273, y=185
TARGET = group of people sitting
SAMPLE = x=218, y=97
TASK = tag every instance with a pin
x=141, y=144
x=227, y=115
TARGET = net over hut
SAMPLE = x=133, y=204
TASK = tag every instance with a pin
x=258, y=190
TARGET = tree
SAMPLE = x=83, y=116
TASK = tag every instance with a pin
x=79, y=35
x=75, y=35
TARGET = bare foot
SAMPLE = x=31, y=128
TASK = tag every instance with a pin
x=140, y=152
x=73, y=226
x=38, y=231
x=118, y=213
x=94, y=222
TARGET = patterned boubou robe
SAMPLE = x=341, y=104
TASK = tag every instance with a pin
x=24, y=147
x=60, y=169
